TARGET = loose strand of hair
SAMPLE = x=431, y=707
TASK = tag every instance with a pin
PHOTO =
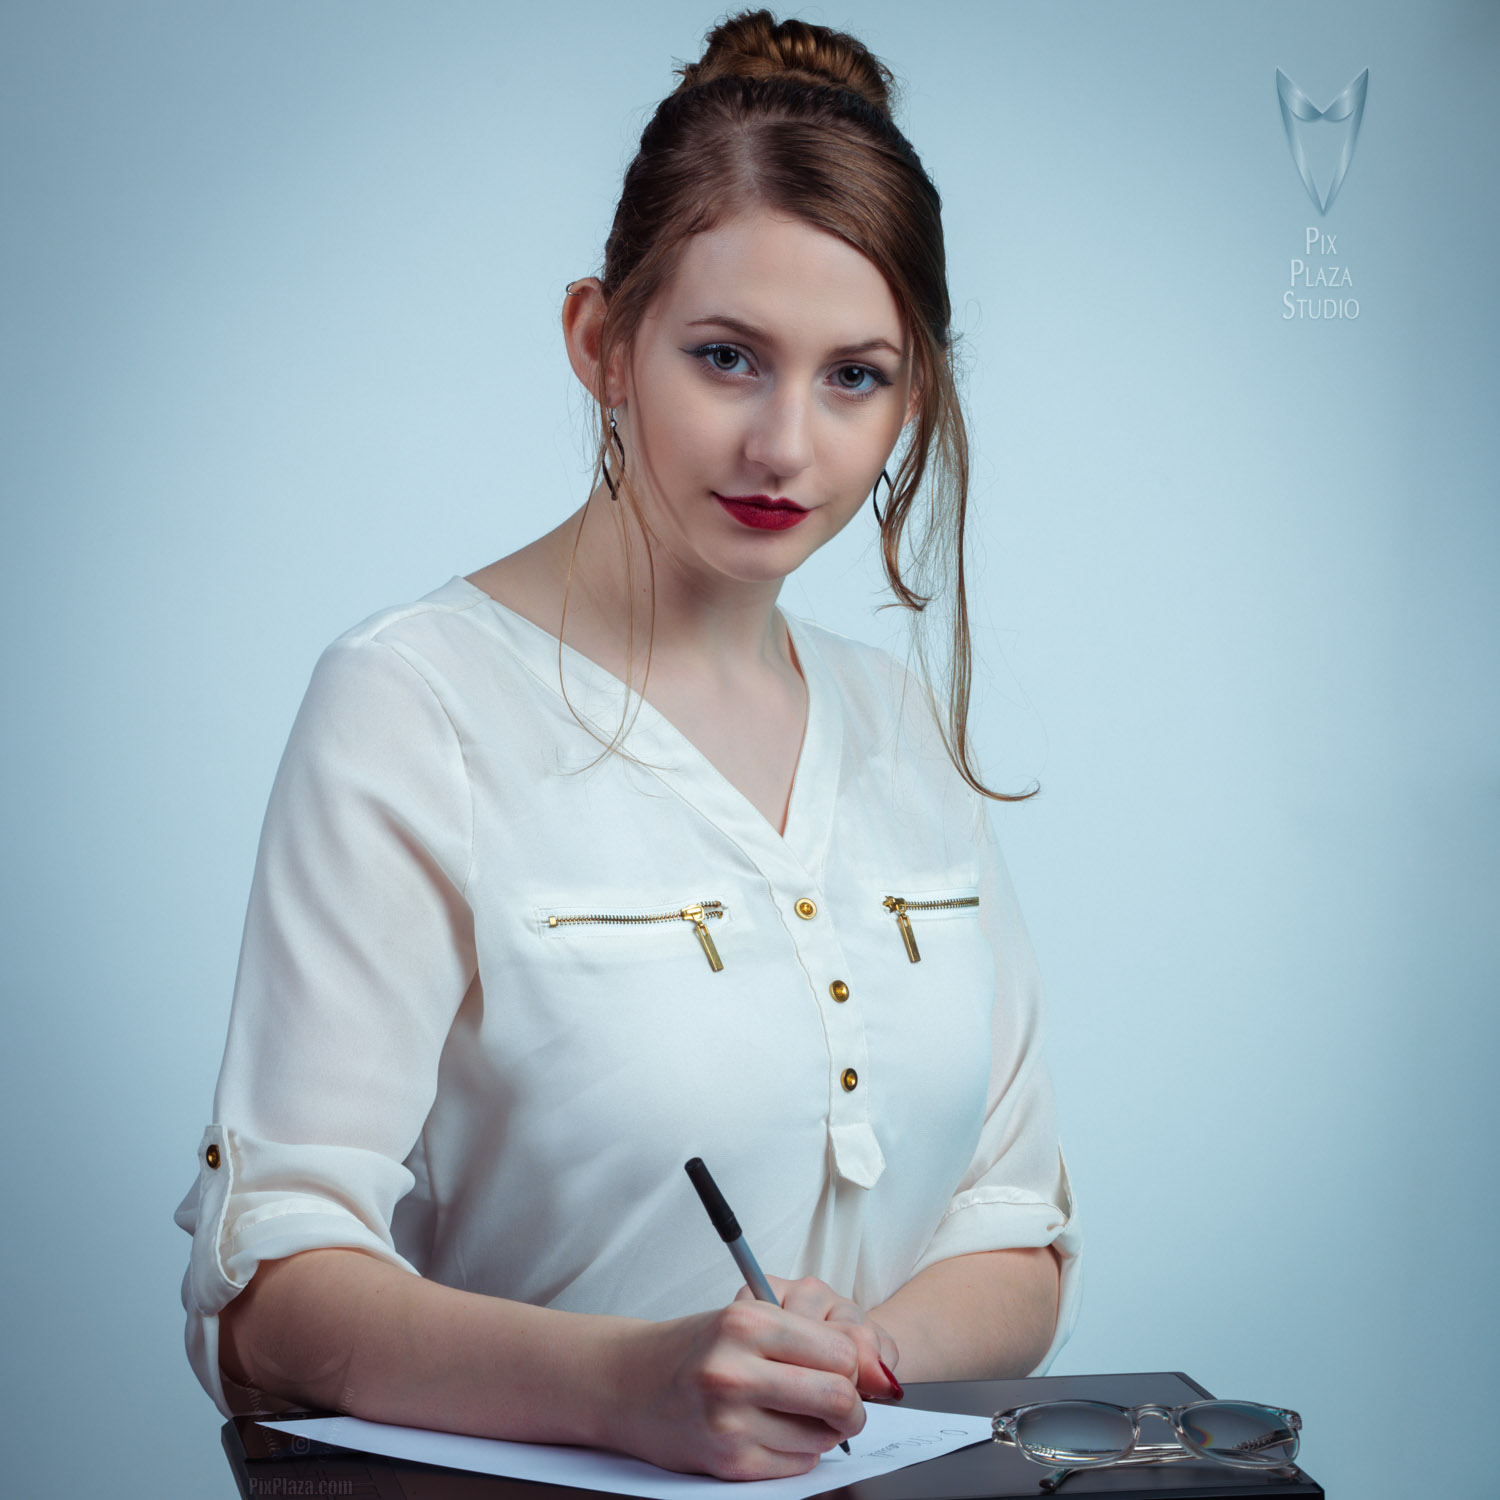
x=937, y=566
x=628, y=713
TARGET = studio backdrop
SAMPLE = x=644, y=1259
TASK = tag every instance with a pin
x=281, y=346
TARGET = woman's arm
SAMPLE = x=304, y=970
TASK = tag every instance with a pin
x=987, y=1316
x=345, y=1331
x=748, y=1391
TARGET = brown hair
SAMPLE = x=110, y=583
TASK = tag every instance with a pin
x=797, y=118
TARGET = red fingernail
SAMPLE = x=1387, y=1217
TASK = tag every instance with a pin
x=896, y=1390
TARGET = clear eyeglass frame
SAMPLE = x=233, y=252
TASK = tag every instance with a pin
x=1282, y=1429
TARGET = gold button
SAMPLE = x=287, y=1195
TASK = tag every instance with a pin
x=839, y=990
x=211, y=1156
x=850, y=1080
x=806, y=909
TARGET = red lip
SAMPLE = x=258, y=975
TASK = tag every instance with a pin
x=761, y=512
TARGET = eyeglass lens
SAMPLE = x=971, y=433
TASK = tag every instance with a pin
x=1240, y=1432
x=1075, y=1432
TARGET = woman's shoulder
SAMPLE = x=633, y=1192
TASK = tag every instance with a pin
x=872, y=681
x=456, y=638
x=433, y=658
x=448, y=612
x=885, y=700
x=851, y=660
x=894, y=753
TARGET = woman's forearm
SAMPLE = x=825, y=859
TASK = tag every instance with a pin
x=746, y=1391
x=989, y=1316
x=346, y=1331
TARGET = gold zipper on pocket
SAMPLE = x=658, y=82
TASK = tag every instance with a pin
x=698, y=914
x=899, y=906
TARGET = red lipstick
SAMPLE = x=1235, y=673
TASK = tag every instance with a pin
x=762, y=512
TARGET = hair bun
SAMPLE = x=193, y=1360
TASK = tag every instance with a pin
x=754, y=44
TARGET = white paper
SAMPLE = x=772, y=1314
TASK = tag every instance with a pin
x=893, y=1438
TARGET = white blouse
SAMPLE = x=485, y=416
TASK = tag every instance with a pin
x=497, y=987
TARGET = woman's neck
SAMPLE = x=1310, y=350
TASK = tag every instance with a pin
x=618, y=604
x=712, y=656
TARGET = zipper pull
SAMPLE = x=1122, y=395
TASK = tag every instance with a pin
x=694, y=914
x=897, y=904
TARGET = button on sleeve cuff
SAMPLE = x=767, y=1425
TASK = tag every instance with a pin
x=1010, y=1218
x=260, y=1203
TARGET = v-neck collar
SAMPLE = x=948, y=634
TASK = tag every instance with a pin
x=666, y=752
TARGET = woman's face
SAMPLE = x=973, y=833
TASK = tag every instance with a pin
x=765, y=389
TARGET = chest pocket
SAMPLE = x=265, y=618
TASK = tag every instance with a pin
x=638, y=932
x=924, y=913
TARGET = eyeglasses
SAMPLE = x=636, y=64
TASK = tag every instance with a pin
x=1075, y=1435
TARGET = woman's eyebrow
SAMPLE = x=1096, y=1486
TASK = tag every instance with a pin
x=759, y=335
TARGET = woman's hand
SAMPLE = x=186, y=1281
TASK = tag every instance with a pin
x=749, y=1391
x=811, y=1298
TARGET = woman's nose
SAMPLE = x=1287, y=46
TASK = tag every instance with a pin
x=781, y=437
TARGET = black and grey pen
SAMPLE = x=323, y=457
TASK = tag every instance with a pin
x=722, y=1217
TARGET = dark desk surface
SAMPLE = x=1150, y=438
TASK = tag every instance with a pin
x=267, y=1464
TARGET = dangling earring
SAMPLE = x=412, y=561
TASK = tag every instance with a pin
x=614, y=437
x=890, y=491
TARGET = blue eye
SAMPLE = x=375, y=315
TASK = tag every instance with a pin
x=861, y=374
x=720, y=358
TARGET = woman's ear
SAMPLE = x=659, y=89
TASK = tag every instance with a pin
x=583, y=329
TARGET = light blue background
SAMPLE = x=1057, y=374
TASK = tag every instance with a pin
x=281, y=286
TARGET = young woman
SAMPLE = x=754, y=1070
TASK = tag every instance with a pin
x=522, y=939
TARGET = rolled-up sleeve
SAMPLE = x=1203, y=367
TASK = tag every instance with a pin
x=358, y=950
x=1015, y=1192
